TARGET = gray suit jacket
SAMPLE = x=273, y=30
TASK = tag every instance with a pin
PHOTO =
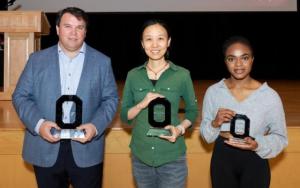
x=35, y=97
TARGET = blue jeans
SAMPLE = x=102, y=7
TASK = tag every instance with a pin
x=170, y=175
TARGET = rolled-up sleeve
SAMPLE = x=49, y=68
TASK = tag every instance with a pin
x=191, y=103
x=127, y=100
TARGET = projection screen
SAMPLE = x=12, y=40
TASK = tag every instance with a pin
x=160, y=5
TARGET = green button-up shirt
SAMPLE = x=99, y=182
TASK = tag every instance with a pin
x=175, y=84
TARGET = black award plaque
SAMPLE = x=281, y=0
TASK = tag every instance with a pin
x=239, y=127
x=68, y=130
x=159, y=116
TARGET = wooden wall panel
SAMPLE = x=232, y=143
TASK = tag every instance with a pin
x=285, y=169
x=117, y=165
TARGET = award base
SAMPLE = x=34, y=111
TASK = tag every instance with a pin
x=67, y=133
x=237, y=140
x=158, y=132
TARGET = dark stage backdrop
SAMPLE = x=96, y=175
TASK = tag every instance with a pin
x=197, y=38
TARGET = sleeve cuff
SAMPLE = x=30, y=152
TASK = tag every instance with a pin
x=38, y=126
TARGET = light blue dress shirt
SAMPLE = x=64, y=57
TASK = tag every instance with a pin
x=70, y=73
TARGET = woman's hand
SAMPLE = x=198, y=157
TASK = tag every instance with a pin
x=223, y=115
x=135, y=110
x=175, y=133
x=248, y=144
x=148, y=98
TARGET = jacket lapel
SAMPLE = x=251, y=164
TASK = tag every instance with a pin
x=82, y=86
x=56, y=74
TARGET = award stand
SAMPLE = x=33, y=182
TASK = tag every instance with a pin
x=68, y=130
x=239, y=127
x=159, y=116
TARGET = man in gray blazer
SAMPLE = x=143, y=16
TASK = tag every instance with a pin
x=69, y=68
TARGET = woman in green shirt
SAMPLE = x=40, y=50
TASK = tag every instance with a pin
x=160, y=161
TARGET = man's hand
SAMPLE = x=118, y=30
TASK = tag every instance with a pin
x=90, y=132
x=45, y=131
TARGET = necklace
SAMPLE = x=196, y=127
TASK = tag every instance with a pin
x=156, y=72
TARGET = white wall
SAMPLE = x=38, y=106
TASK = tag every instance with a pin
x=159, y=5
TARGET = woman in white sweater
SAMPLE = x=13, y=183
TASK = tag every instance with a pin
x=242, y=163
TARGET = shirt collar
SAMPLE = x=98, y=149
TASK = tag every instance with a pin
x=263, y=87
x=172, y=66
x=82, y=49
